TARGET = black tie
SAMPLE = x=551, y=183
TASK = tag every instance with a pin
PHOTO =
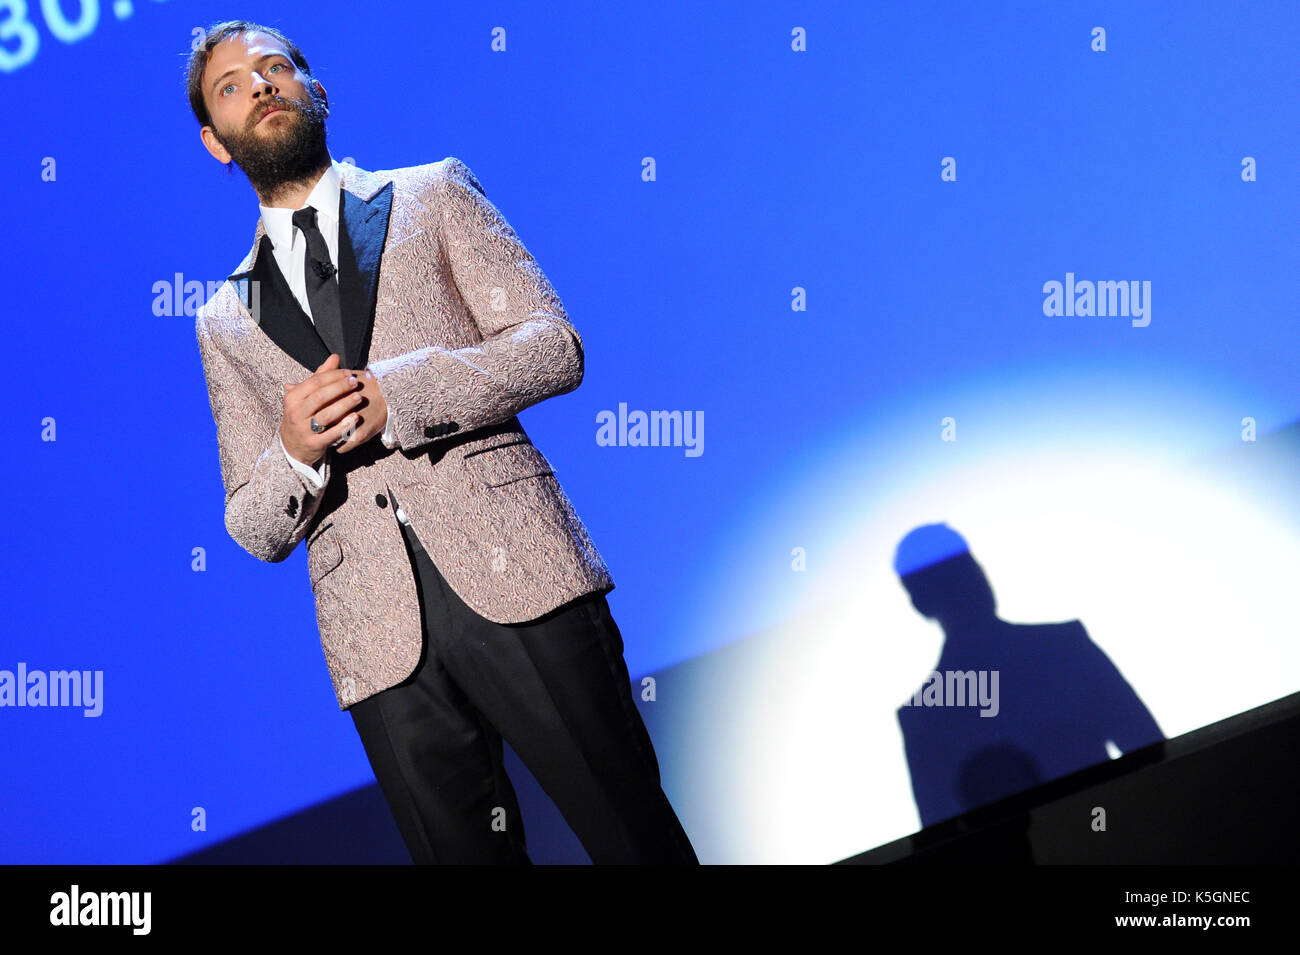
x=322, y=287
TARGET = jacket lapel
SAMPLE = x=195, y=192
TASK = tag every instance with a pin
x=361, y=246
x=269, y=303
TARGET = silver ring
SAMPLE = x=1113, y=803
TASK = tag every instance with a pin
x=317, y=427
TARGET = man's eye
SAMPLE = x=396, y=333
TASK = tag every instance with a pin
x=283, y=66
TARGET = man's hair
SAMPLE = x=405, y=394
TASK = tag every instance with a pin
x=198, y=59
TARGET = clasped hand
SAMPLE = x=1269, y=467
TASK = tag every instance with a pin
x=346, y=402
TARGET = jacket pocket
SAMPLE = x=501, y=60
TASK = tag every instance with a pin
x=324, y=553
x=485, y=439
x=507, y=463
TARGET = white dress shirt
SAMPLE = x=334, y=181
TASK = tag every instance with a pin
x=290, y=249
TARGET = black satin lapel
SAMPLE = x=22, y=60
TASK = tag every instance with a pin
x=266, y=294
x=361, y=246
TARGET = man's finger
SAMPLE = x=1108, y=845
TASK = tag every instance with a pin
x=323, y=366
x=317, y=380
x=346, y=428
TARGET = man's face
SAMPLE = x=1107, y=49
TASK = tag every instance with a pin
x=268, y=117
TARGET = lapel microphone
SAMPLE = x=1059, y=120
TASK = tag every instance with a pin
x=323, y=270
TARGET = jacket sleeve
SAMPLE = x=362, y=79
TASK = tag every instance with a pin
x=529, y=350
x=268, y=503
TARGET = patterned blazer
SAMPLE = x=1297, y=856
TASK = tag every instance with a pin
x=453, y=316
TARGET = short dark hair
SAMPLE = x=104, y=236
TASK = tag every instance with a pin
x=198, y=59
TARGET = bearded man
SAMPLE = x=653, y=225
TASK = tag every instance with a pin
x=365, y=365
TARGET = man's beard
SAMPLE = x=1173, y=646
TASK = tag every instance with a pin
x=281, y=158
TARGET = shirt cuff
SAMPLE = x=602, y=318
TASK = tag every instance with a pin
x=316, y=478
x=387, y=438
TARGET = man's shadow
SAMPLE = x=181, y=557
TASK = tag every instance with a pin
x=1008, y=706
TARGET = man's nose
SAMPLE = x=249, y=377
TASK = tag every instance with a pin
x=260, y=84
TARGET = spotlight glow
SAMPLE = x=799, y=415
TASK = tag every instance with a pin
x=1075, y=512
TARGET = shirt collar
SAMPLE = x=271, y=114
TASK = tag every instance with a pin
x=324, y=197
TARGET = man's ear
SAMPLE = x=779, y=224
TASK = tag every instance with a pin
x=218, y=151
x=320, y=88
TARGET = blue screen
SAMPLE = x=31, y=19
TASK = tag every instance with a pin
x=1022, y=271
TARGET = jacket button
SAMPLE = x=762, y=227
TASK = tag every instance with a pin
x=453, y=426
x=381, y=500
x=430, y=431
x=292, y=509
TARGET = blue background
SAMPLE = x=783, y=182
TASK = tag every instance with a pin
x=775, y=170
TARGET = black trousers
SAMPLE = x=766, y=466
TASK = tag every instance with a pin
x=558, y=690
